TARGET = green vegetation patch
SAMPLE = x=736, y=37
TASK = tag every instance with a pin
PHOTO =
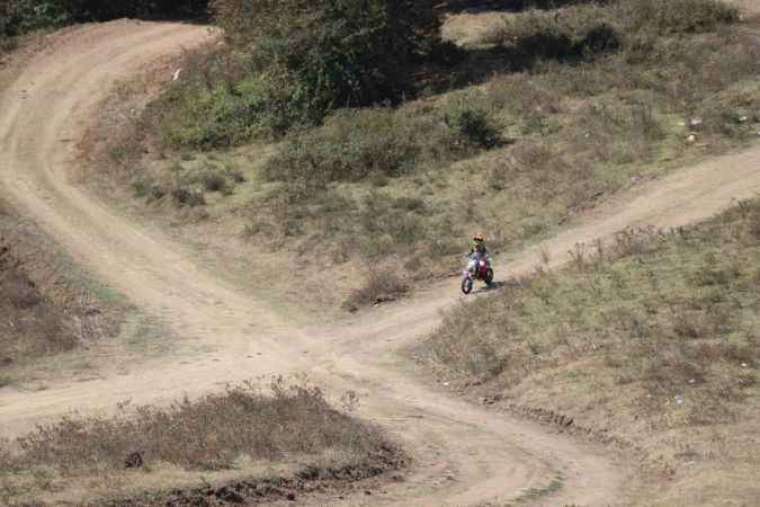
x=382, y=143
x=289, y=63
x=21, y=16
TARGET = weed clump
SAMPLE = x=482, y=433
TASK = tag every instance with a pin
x=382, y=285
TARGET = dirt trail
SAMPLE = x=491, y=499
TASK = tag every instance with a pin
x=464, y=454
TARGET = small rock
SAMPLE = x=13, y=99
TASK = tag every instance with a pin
x=692, y=381
x=368, y=492
x=291, y=497
x=743, y=119
x=446, y=384
x=691, y=139
x=679, y=399
x=744, y=365
x=177, y=74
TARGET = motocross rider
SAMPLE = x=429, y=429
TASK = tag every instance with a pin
x=478, y=250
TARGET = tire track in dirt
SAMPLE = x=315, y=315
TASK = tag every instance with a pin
x=464, y=454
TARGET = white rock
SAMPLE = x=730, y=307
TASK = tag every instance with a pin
x=692, y=138
x=176, y=74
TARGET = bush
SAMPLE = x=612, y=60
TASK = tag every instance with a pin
x=300, y=60
x=335, y=52
x=194, y=115
x=21, y=16
x=381, y=143
x=351, y=146
x=471, y=124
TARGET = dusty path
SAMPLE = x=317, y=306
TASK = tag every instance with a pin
x=464, y=454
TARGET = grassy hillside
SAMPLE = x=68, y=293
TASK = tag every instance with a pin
x=654, y=340
x=532, y=117
x=51, y=312
x=248, y=444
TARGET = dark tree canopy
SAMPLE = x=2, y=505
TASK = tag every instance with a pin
x=20, y=16
x=334, y=53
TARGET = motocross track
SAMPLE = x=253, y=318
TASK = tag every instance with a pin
x=463, y=454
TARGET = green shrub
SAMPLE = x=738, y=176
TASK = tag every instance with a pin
x=203, y=119
x=472, y=124
x=352, y=145
x=300, y=60
x=335, y=52
x=381, y=143
x=21, y=16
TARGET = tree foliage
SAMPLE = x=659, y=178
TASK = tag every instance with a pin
x=20, y=16
x=333, y=53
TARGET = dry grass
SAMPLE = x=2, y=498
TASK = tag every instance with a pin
x=594, y=117
x=47, y=307
x=219, y=434
x=382, y=285
x=654, y=340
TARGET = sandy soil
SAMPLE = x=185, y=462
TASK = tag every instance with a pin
x=464, y=454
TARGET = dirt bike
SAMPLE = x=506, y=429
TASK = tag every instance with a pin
x=477, y=270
